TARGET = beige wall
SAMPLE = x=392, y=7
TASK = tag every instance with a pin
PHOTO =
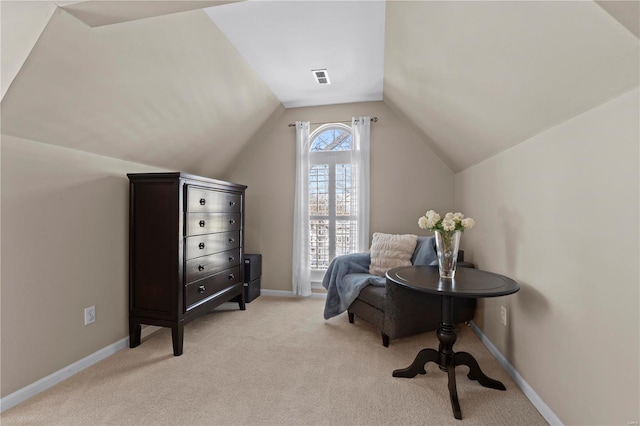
x=559, y=213
x=407, y=179
x=64, y=248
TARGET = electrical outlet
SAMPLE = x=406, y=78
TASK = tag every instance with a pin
x=503, y=315
x=89, y=315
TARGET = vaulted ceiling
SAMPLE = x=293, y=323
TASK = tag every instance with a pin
x=158, y=82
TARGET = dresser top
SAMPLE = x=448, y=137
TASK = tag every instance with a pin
x=140, y=177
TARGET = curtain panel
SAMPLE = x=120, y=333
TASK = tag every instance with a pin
x=301, y=273
x=360, y=163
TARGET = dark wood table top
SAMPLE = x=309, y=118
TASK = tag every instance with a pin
x=468, y=282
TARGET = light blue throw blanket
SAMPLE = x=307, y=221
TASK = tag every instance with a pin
x=349, y=273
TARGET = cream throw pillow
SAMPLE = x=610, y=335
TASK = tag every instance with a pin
x=390, y=251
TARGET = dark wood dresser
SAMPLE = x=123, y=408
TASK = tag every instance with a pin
x=185, y=250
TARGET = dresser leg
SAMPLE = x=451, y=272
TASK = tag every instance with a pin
x=177, y=335
x=241, y=303
x=135, y=330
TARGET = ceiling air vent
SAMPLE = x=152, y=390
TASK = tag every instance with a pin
x=322, y=77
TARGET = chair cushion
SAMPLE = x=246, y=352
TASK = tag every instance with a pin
x=373, y=295
x=425, y=252
x=390, y=251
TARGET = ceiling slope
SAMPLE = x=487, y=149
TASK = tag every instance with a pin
x=21, y=23
x=627, y=12
x=169, y=91
x=476, y=78
x=97, y=13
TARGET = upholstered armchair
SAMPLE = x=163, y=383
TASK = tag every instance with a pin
x=399, y=312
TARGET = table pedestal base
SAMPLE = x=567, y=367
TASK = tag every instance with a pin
x=447, y=360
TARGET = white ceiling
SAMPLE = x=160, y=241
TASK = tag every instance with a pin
x=161, y=83
x=284, y=40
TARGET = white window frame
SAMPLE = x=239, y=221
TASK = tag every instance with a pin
x=331, y=158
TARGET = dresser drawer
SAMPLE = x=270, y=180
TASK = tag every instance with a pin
x=201, y=290
x=204, y=266
x=202, y=245
x=205, y=200
x=208, y=223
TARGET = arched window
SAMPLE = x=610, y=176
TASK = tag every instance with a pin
x=331, y=204
x=332, y=220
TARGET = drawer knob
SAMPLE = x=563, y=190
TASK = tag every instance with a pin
x=231, y=276
x=201, y=246
x=201, y=289
x=231, y=240
x=200, y=267
x=203, y=201
x=232, y=221
x=231, y=258
x=201, y=223
x=232, y=203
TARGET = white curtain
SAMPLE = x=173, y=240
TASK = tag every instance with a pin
x=360, y=153
x=300, y=267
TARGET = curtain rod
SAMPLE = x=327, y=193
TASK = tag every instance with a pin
x=373, y=119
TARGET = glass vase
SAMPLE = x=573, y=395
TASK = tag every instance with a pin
x=447, y=243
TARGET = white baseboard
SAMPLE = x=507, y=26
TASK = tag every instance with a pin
x=528, y=391
x=53, y=379
x=286, y=293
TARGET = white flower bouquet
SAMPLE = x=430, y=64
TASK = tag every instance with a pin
x=451, y=222
x=448, y=231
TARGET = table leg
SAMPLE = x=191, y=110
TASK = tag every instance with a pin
x=475, y=373
x=417, y=367
x=453, y=393
x=447, y=337
x=447, y=359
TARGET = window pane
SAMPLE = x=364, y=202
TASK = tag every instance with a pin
x=319, y=244
x=319, y=190
x=332, y=195
x=346, y=231
x=343, y=190
x=335, y=139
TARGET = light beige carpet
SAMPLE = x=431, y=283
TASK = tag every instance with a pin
x=278, y=362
